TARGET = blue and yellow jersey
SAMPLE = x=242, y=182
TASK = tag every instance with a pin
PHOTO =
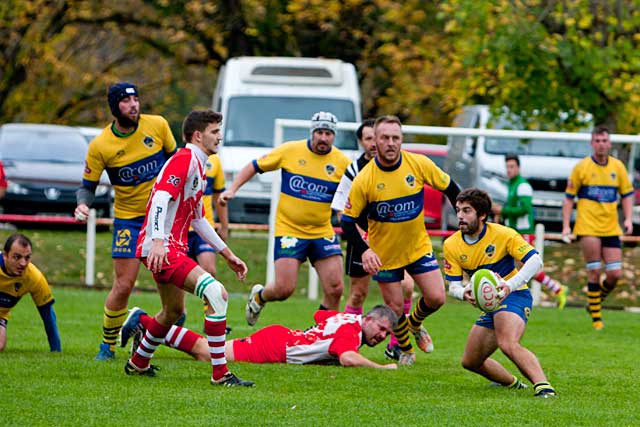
x=132, y=163
x=215, y=185
x=394, y=199
x=309, y=181
x=498, y=248
x=597, y=187
x=12, y=288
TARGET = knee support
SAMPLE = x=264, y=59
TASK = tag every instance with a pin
x=211, y=289
x=594, y=265
x=616, y=265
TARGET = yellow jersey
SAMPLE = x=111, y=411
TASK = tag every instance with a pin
x=394, y=199
x=132, y=163
x=597, y=187
x=498, y=248
x=215, y=185
x=309, y=181
x=12, y=288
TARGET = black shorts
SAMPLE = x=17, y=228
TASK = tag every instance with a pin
x=609, y=241
x=353, y=262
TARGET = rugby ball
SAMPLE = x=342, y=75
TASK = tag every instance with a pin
x=484, y=289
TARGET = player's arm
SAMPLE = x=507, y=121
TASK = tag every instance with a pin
x=3, y=334
x=353, y=359
x=245, y=174
x=222, y=211
x=48, y=316
x=627, y=210
x=567, y=207
x=523, y=205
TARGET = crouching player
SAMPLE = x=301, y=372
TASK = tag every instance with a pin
x=336, y=338
x=479, y=244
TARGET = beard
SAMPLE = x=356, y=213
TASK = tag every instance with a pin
x=126, y=122
x=470, y=227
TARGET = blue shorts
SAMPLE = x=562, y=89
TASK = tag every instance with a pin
x=422, y=265
x=125, y=237
x=518, y=302
x=609, y=241
x=197, y=245
x=301, y=249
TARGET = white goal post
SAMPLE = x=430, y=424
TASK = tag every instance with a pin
x=281, y=124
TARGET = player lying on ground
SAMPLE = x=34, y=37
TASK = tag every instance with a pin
x=336, y=338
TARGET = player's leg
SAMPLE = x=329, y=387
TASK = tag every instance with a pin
x=393, y=348
x=555, y=287
x=592, y=251
x=509, y=329
x=331, y=278
x=125, y=267
x=115, y=306
x=391, y=293
x=325, y=254
x=205, y=286
x=3, y=334
x=358, y=281
x=428, y=278
x=612, y=255
x=172, y=299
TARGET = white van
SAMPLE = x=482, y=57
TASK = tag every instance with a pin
x=252, y=92
x=479, y=162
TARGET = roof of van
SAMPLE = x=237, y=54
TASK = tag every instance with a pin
x=284, y=76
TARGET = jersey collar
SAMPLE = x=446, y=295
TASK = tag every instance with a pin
x=480, y=236
x=389, y=168
x=200, y=154
x=119, y=134
x=598, y=163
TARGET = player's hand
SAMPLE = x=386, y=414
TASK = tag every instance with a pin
x=468, y=295
x=628, y=227
x=390, y=366
x=236, y=264
x=157, y=258
x=503, y=288
x=81, y=213
x=225, y=196
x=371, y=262
x=566, y=234
x=223, y=232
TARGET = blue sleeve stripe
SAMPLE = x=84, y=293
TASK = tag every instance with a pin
x=529, y=254
x=256, y=167
x=453, y=278
x=347, y=218
x=569, y=196
x=90, y=185
x=630, y=193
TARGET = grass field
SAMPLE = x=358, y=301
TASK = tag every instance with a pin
x=593, y=372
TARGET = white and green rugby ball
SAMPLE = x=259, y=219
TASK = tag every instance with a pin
x=484, y=287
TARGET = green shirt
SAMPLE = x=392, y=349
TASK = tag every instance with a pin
x=518, y=209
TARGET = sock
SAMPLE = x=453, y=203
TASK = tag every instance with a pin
x=419, y=313
x=606, y=288
x=407, y=306
x=145, y=320
x=322, y=307
x=181, y=338
x=352, y=310
x=215, y=327
x=516, y=384
x=153, y=337
x=401, y=332
x=553, y=285
x=111, y=324
x=595, y=301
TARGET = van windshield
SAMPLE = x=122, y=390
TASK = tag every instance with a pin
x=250, y=119
x=538, y=147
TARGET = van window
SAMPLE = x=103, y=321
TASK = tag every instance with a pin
x=250, y=119
x=538, y=147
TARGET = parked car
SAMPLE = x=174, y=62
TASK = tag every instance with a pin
x=44, y=165
x=433, y=199
x=89, y=132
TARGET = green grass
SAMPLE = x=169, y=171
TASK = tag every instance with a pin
x=593, y=372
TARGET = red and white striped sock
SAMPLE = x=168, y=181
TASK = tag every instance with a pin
x=215, y=328
x=181, y=338
x=548, y=282
x=153, y=337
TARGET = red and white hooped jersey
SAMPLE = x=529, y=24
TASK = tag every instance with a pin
x=183, y=177
x=333, y=334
